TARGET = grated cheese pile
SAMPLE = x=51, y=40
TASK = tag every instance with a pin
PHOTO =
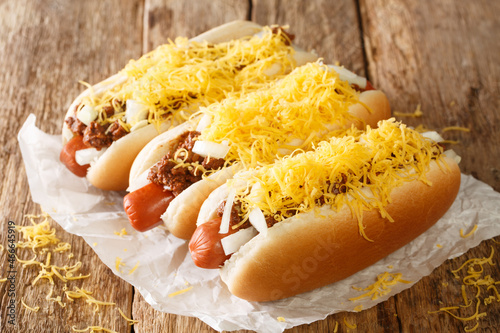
x=359, y=169
x=476, y=281
x=181, y=73
x=297, y=111
x=41, y=239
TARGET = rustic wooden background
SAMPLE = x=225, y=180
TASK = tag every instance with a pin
x=441, y=55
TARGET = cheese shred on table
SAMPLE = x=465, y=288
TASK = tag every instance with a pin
x=41, y=239
x=358, y=170
x=477, y=282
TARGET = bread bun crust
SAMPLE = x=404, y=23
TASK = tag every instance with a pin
x=112, y=170
x=180, y=216
x=378, y=108
x=317, y=248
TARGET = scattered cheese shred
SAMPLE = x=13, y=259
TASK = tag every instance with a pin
x=416, y=114
x=122, y=232
x=470, y=233
x=455, y=128
x=474, y=278
x=85, y=294
x=41, y=239
x=92, y=329
x=119, y=264
x=129, y=320
x=381, y=287
x=134, y=268
x=178, y=292
x=351, y=326
x=35, y=309
x=281, y=319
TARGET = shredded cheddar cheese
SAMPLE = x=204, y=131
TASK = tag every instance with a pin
x=470, y=233
x=34, y=309
x=41, y=240
x=129, y=320
x=178, y=292
x=351, y=326
x=381, y=287
x=415, y=114
x=122, y=232
x=474, y=278
x=456, y=128
x=85, y=294
x=295, y=112
x=38, y=235
x=92, y=329
x=133, y=268
x=281, y=319
x=359, y=170
x=171, y=79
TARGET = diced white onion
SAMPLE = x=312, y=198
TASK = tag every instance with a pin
x=452, y=154
x=139, y=124
x=209, y=148
x=140, y=181
x=87, y=114
x=88, y=155
x=204, y=122
x=433, y=135
x=232, y=243
x=135, y=112
x=258, y=220
x=349, y=76
x=226, y=215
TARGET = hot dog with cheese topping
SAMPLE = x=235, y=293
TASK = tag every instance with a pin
x=303, y=108
x=347, y=204
x=109, y=123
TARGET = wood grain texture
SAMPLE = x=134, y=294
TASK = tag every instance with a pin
x=331, y=28
x=46, y=47
x=441, y=55
x=167, y=19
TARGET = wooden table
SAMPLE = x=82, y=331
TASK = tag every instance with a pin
x=441, y=56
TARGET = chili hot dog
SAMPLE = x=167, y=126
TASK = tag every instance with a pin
x=350, y=202
x=296, y=112
x=109, y=123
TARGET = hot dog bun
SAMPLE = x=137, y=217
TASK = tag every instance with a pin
x=314, y=249
x=327, y=213
x=112, y=169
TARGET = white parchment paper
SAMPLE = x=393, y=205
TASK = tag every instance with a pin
x=165, y=266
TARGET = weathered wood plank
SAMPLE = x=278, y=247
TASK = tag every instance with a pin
x=442, y=56
x=167, y=19
x=46, y=47
x=331, y=28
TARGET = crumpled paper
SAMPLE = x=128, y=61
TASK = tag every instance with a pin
x=164, y=266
